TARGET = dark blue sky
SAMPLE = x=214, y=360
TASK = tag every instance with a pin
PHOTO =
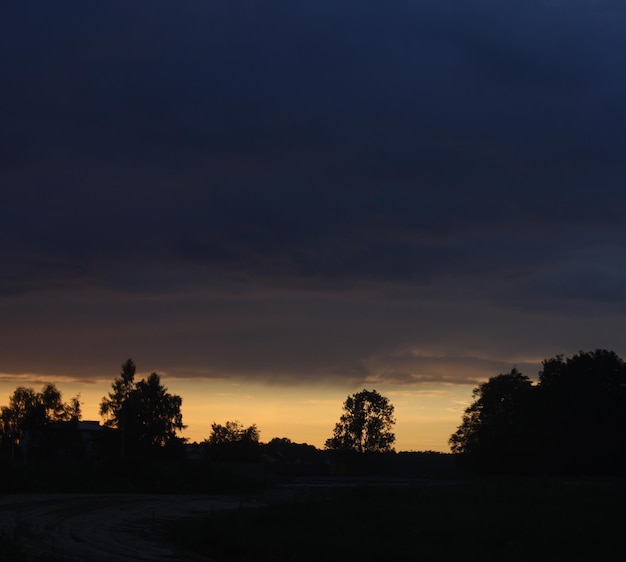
x=311, y=191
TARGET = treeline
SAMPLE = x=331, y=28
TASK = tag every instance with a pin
x=45, y=445
x=29, y=412
x=142, y=420
x=572, y=421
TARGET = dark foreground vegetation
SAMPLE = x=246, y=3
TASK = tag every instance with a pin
x=208, y=476
x=11, y=550
x=487, y=520
x=366, y=519
x=571, y=422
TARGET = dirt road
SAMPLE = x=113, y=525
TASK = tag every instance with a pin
x=103, y=527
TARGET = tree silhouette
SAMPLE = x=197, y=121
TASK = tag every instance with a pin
x=147, y=416
x=155, y=413
x=493, y=430
x=233, y=441
x=114, y=408
x=573, y=421
x=365, y=425
x=583, y=412
x=30, y=411
x=231, y=432
x=111, y=407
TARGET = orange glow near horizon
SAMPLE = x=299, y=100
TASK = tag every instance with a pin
x=425, y=417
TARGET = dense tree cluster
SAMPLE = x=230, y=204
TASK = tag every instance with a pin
x=285, y=448
x=31, y=411
x=146, y=414
x=232, y=441
x=572, y=421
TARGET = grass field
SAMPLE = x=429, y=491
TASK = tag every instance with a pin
x=483, y=520
x=11, y=551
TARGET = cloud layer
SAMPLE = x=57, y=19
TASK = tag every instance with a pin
x=296, y=191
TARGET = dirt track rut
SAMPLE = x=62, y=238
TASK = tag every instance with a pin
x=103, y=527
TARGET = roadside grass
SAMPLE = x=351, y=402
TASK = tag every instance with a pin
x=483, y=520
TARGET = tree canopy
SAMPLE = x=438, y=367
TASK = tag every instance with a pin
x=31, y=410
x=233, y=441
x=573, y=420
x=492, y=427
x=366, y=424
x=146, y=414
x=232, y=432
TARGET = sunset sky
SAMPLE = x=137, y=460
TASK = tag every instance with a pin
x=277, y=204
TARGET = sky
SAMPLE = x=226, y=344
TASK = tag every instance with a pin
x=277, y=204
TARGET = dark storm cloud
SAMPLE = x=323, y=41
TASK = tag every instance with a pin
x=437, y=152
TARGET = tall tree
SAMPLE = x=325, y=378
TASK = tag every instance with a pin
x=494, y=428
x=155, y=413
x=366, y=424
x=111, y=406
x=146, y=414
